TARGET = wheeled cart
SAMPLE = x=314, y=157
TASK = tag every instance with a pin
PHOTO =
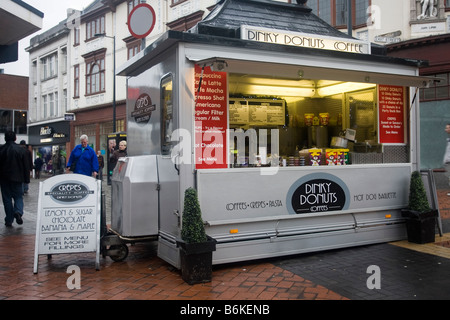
x=132, y=220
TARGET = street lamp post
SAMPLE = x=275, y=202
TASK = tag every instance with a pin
x=114, y=75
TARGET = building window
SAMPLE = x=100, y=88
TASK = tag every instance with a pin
x=55, y=110
x=63, y=60
x=5, y=120
x=360, y=10
x=49, y=66
x=120, y=125
x=44, y=107
x=76, y=37
x=133, y=47
x=13, y=120
x=175, y=2
x=437, y=91
x=76, y=81
x=338, y=16
x=64, y=105
x=132, y=4
x=341, y=13
x=95, y=76
x=324, y=9
x=34, y=72
x=94, y=27
x=51, y=102
x=20, y=122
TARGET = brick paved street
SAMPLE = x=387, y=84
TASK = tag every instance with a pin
x=408, y=271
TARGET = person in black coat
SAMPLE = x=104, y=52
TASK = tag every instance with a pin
x=14, y=172
x=122, y=152
x=38, y=163
x=30, y=163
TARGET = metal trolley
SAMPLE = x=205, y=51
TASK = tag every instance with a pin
x=129, y=222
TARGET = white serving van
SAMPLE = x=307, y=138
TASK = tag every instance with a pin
x=297, y=137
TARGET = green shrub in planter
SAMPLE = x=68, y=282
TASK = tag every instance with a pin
x=421, y=219
x=193, y=230
x=418, y=200
x=195, y=246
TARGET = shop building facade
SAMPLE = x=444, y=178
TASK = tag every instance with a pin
x=72, y=85
x=48, y=131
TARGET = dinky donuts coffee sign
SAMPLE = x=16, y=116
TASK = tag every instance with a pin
x=318, y=193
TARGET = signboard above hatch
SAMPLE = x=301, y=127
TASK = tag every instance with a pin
x=297, y=39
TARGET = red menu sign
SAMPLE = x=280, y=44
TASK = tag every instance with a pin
x=211, y=119
x=391, y=114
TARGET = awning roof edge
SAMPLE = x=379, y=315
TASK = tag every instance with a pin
x=140, y=62
x=319, y=73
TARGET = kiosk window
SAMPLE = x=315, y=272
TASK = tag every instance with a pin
x=166, y=114
x=306, y=122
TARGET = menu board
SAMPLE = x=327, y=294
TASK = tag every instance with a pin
x=238, y=112
x=211, y=118
x=391, y=101
x=257, y=112
x=68, y=218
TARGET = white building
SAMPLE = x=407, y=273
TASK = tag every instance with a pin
x=383, y=21
x=72, y=70
x=48, y=91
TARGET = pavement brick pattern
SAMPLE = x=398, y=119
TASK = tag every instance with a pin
x=142, y=276
x=407, y=271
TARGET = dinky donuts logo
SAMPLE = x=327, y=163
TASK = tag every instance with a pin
x=69, y=192
x=143, y=109
x=317, y=193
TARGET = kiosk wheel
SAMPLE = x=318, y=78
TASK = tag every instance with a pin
x=120, y=252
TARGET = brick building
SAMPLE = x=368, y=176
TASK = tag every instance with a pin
x=14, y=105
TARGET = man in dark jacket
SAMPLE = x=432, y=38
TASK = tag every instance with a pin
x=30, y=163
x=14, y=172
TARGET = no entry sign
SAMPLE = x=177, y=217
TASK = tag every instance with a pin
x=141, y=20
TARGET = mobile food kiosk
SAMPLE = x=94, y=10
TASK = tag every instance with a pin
x=297, y=137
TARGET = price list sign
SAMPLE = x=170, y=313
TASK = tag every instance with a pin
x=68, y=219
x=211, y=118
x=391, y=114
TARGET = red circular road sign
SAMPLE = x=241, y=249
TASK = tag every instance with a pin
x=141, y=20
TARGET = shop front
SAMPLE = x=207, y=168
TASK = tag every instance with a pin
x=49, y=142
x=297, y=137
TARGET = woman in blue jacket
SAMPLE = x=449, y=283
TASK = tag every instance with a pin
x=83, y=159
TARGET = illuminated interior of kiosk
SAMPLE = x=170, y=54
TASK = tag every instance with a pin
x=319, y=122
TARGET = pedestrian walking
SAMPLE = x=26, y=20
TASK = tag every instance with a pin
x=24, y=145
x=101, y=164
x=122, y=152
x=83, y=159
x=447, y=155
x=14, y=172
x=38, y=163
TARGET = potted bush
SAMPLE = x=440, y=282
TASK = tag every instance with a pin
x=421, y=219
x=195, y=245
